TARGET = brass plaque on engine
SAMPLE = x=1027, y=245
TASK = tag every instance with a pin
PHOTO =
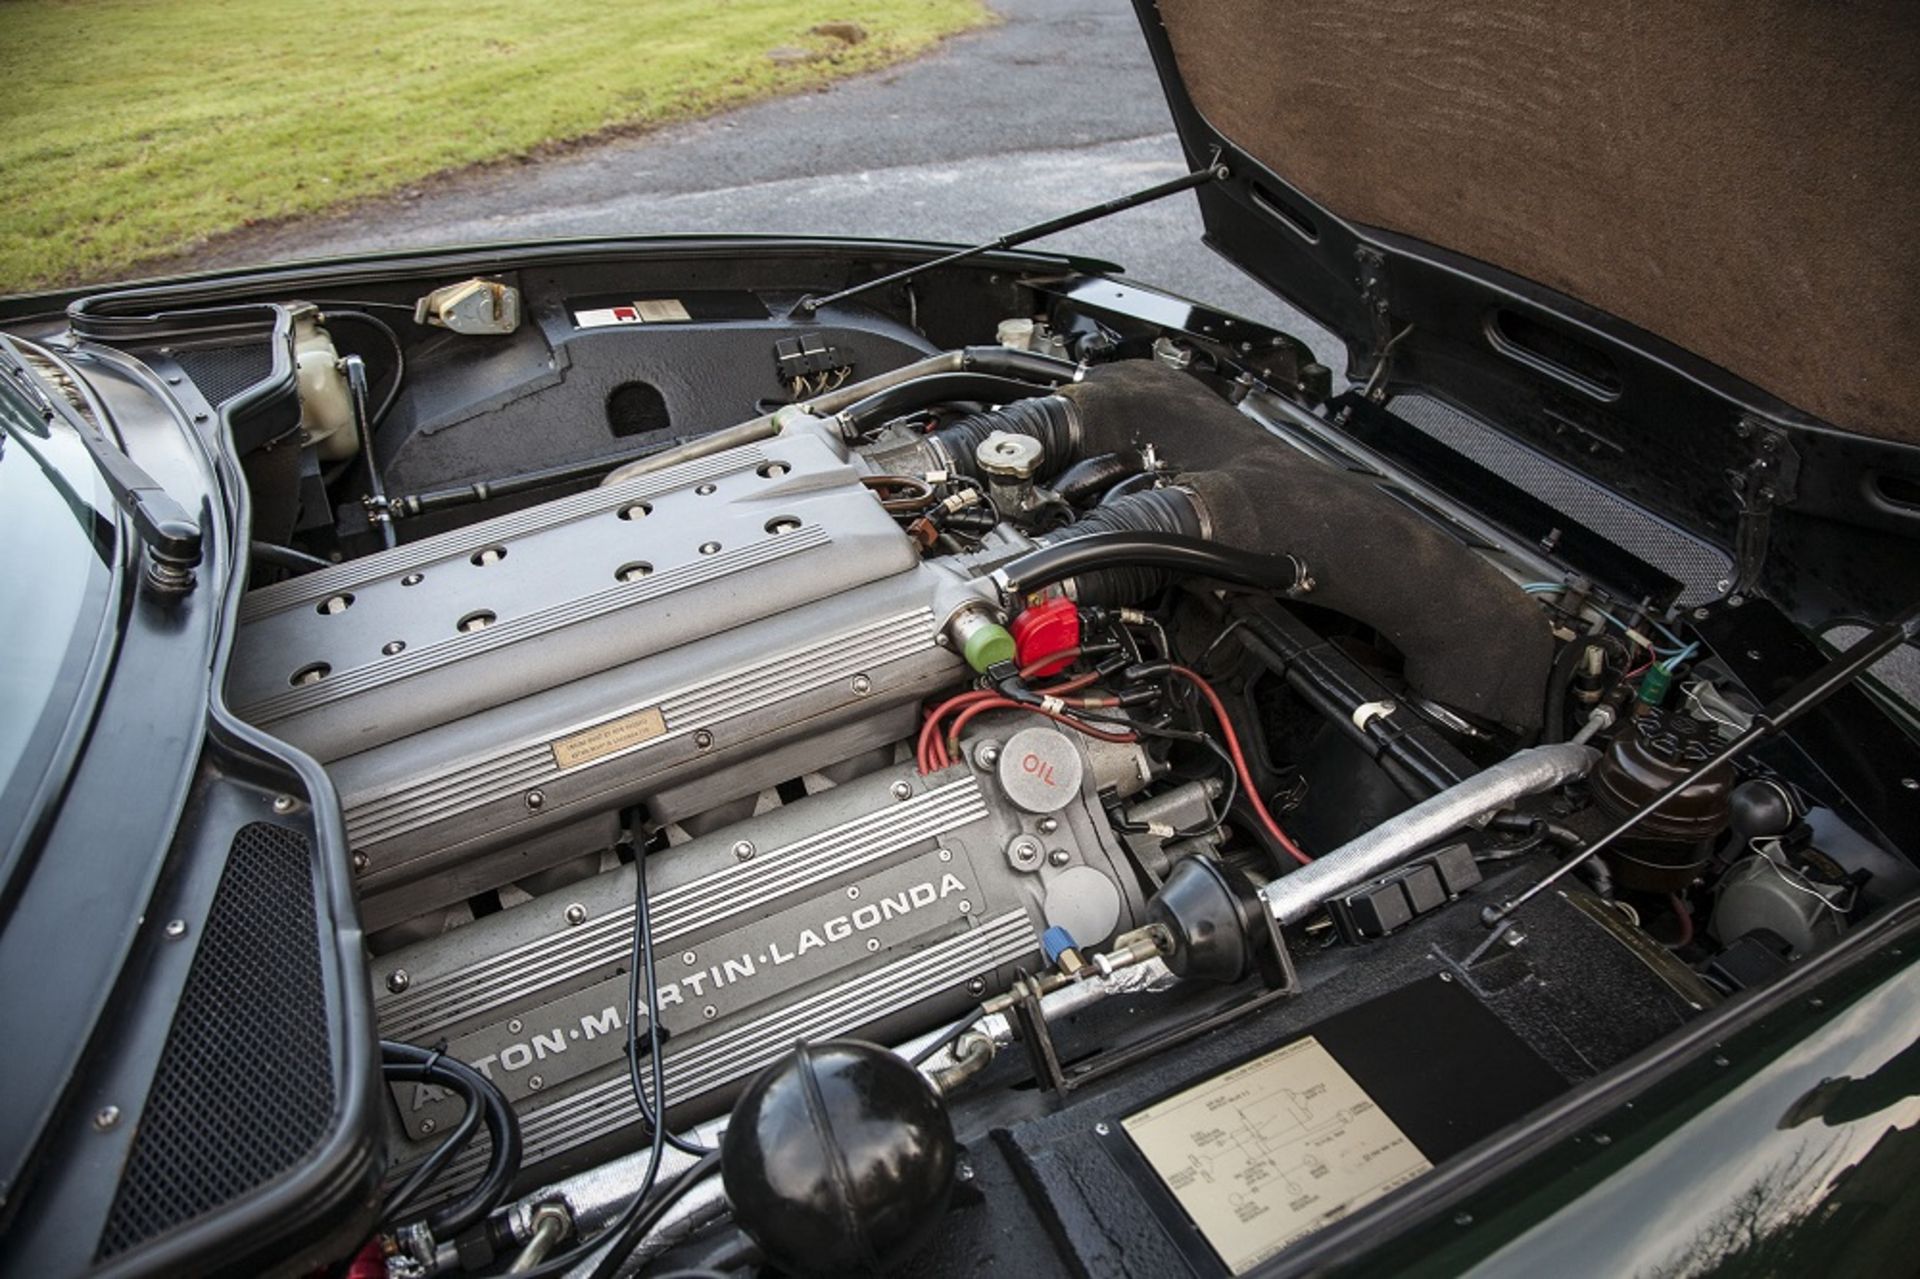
x=609, y=738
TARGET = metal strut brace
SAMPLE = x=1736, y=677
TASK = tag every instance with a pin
x=1213, y=171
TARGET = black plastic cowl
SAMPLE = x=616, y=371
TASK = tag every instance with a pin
x=838, y=1159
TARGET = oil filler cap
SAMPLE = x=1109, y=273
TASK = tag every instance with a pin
x=1040, y=770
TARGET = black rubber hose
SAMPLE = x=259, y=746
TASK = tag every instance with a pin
x=1029, y=366
x=407, y=1063
x=1046, y=418
x=1128, y=487
x=1171, y=551
x=1156, y=511
x=1096, y=476
x=936, y=388
x=285, y=557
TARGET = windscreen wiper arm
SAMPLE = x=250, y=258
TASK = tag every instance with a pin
x=171, y=536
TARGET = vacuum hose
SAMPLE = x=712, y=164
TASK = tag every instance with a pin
x=1070, y=560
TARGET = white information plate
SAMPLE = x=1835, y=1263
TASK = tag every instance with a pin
x=1273, y=1150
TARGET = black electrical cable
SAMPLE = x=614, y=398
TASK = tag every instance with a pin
x=642, y=959
x=430, y=1167
x=946, y=1035
x=641, y=1226
x=1217, y=813
x=399, y=362
x=625, y=1230
x=408, y=1063
x=286, y=557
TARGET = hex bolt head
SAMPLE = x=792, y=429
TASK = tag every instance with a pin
x=966, y=908
x=703, y=740
x=873, y=944
x=360, y=861
x=536, y=800
x=1025, y=853
x=427, y=1126
x=987, y=754
x=978, y=986
x=903, y=789
x=175, y=929
x=535, y=1083
x=1101, y=1128
x=743, y=851
x=106, y=1117
x=862, y=685
x=1059, y=857
x=515, y=1026
x=575, y=914
x=853, y=892
x=689, y=958
x=284, y=804
x=1048, y=825
x=397, y=980
x=709, y=1012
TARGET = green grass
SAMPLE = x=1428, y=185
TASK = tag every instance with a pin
x=134, y=128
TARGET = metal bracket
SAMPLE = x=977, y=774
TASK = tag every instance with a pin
x=1373, y=295
x=1770, y=479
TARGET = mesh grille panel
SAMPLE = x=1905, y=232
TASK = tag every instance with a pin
x=222, y=372
x=245, y=1084
x=1690, y=561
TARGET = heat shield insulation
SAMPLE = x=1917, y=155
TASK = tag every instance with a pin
x=1737, y=179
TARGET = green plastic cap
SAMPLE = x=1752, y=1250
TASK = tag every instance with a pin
x=986, y=645
x=1654, y=685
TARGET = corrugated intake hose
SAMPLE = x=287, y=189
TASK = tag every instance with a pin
x=1470, y=638
x=1026, y=366
x=939, y=388
x=1047, y=418
x=1160, y=511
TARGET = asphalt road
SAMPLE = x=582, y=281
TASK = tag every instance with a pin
x=1055, y=107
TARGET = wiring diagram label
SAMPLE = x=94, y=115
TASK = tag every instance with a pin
x=1272, y=1150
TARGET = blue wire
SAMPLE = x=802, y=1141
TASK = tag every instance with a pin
x=1677, y=658
x=1682, y=646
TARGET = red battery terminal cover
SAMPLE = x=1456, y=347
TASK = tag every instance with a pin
x=1044, y=630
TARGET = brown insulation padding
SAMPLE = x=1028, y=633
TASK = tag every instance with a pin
x=1738, y=178
x=1471, y=638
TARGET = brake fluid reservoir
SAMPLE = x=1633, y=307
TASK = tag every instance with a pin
x=326, y=406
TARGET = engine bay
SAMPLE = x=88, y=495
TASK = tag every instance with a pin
x=1058, y=705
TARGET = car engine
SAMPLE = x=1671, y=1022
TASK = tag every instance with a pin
x=996, y=697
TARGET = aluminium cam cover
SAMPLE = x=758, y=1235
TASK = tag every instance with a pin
x=782, y=607
x=868, y=908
